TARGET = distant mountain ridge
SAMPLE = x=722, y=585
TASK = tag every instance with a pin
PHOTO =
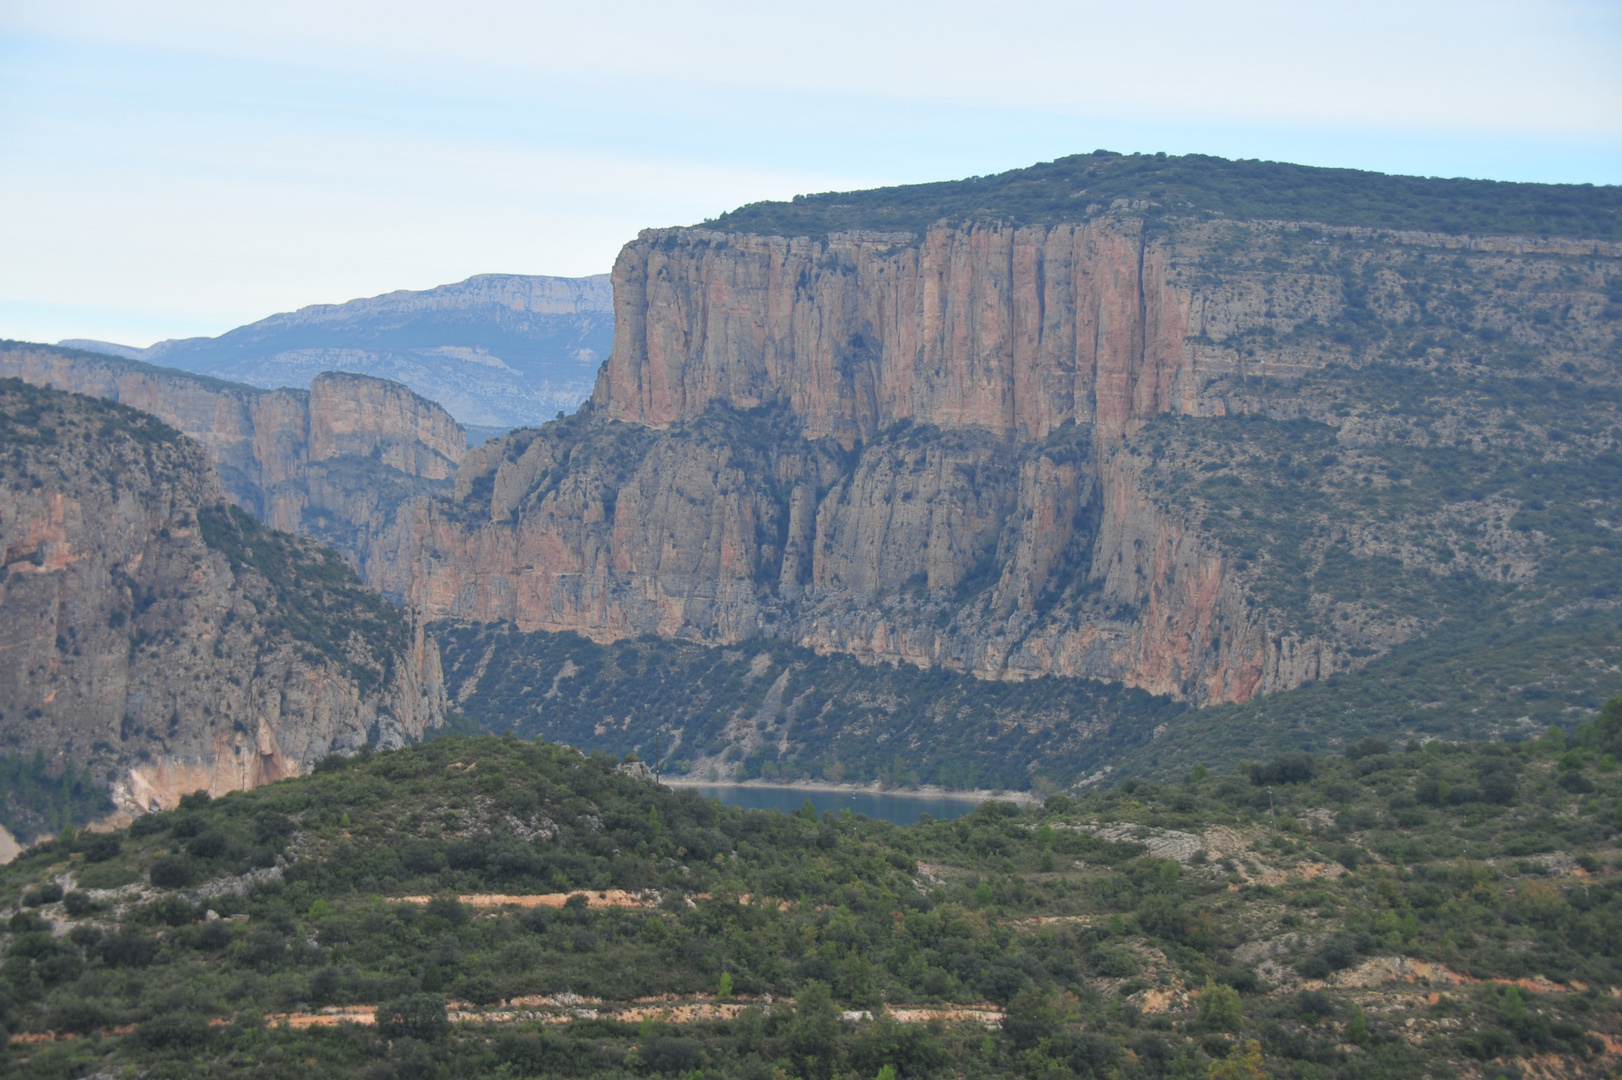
x=497, y=350
x=109, y=348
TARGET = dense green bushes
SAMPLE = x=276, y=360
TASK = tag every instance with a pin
x=33, y=802
x=421, y=1016
x=1029, y=908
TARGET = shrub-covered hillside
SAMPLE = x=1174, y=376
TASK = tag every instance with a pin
x=1394, y=912
x=1398, y=911
x=785, y=713
x=1197, y=185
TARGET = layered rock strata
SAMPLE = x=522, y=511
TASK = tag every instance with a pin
x=334, y=461
x=936, y=548
x=940, y=449
x=165, y=640
x=1013, y=330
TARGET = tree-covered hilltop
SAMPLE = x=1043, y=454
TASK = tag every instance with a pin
x=1197, y=185
x=1394, y=911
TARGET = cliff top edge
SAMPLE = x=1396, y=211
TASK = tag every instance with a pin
x=1195, y=186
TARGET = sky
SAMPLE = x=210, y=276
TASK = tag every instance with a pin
x=172, y=169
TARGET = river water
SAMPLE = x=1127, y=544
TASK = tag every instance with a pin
x=899, y=807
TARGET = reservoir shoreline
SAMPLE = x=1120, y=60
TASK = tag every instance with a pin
x=901, y=807
x=929, y=791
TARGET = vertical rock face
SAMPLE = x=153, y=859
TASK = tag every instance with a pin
x=1013, y=330
x=166, y=640
x=358, y=415
x=610, y=530
x=958, y=548
x=961, y=448
x=334, y=462
x=923, y=512
x=944, y=365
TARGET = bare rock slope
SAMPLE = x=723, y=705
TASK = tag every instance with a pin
x=162, y=638
x=334, y=462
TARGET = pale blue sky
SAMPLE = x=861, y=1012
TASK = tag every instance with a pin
x=177, y=168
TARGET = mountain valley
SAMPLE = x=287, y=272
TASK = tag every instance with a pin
x=1109, y=422
x=1231, y=463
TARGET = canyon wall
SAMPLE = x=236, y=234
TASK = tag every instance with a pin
x=955, y=449
x=1014, y=330
x=164, y=639
x=335, y=461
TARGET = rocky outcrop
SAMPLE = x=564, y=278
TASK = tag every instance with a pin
x=953, y=449
x=334, y=462
x=609, y=530
x=935, y=548
x=359, y=416
x=167, y=641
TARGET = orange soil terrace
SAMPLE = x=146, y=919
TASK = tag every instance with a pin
x=562, y=1008
x=610, y=898
x=671, y=1009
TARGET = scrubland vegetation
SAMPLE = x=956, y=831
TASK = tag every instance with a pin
x=1394, y=910
x=1197, y=185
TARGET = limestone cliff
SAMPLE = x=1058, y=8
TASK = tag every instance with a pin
x=164, y=639
x=333, y=462
x=1013, y=330
x=972, y=447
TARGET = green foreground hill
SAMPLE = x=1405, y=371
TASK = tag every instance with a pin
x=1394, y=911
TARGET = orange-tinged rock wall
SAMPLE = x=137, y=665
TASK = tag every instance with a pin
x=133, y=646
x=1022, y=357
x=268, y=445
x=1015, y=330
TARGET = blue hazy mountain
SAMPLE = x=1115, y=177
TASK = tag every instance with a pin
x=497, y=350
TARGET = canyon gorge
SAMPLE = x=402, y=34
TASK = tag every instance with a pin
x=164, y=640
x=953, y=449
x=1218, y=457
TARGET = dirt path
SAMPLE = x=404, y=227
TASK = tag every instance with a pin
x=600, y=899
x=612, y=898
x=667, y=1009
